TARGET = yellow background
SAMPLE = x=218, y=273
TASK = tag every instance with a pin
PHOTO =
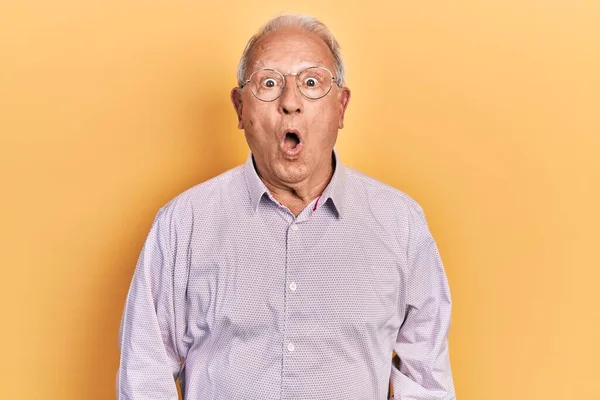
x=486, y=112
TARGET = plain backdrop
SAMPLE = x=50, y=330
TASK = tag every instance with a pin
x=486, y=112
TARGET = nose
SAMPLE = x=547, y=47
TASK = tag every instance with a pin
x=290, y=101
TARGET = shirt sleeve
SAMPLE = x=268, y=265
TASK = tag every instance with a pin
x=422, y=369
x=150, y=363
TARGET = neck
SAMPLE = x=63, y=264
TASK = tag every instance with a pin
x=298, y=195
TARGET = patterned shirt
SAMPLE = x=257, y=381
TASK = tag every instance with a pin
x=240, y=299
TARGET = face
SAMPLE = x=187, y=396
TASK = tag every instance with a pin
x=292, y=137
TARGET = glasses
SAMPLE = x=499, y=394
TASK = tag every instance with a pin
x=268, y=84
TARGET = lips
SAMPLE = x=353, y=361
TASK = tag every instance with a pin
x=291, y=142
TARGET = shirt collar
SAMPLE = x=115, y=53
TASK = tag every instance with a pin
x=334, y=191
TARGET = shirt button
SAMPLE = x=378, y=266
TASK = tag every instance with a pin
x=294, y=227
x=293, y=286
x=291, y=347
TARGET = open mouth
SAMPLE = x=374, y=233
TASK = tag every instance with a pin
x=292, y=142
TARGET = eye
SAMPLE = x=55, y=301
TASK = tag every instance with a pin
x=311, y=82
x=269, y=82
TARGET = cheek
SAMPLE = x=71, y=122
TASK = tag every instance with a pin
x=257, y=116
x=252, y=119
x=327, y=114
x=259, y=126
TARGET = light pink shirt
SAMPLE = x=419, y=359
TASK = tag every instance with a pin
x=240, y=299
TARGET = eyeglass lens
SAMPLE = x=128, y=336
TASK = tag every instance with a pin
x=268, y=84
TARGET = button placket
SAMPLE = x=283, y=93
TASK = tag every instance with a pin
x=290, y=345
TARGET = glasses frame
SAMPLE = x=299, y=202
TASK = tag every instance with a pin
x=333, y=80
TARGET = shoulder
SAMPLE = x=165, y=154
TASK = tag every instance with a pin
x=390, y=213
x=381, y=198
x=207, y=197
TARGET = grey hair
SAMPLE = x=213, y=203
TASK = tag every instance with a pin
x=306, y=22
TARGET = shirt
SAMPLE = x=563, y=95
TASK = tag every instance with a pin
x=240, y=299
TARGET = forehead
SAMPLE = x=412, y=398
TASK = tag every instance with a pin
x=290, y=49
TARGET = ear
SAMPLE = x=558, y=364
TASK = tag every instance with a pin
x=344, y=99
x=236, y=100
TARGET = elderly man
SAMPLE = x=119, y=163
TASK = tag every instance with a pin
x=291, y=276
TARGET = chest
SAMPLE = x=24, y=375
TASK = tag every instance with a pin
x=327, y=276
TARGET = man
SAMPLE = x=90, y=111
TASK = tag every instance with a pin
x=292, y=276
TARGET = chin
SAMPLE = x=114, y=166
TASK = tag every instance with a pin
x=291, y=172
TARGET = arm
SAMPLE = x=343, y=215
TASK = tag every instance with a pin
x=422, y=368
x=150, y=362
